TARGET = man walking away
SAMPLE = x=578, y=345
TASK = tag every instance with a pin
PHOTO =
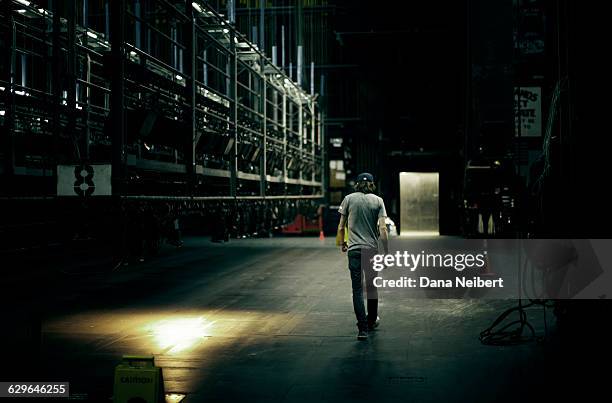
x=364, y=213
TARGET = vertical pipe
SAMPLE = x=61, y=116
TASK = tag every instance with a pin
x=56, y=86
x=71, y=77
x=312, y=83
x=9, y=92
x=205, y=66
x=233, y=95
x=275, y=103
x=107, y=19
x=231, y=11
x=312, y=138
x=254, y=36
x=180, y=59
x=299, y=36
x=138, y=15
x=87, y=139
x=284, y=111
x=322, y=141
x=117, y=111
x=262, y=19
x=301, y=137
x=85, y=19
x=283, y=47
x=174, y=54
x=322, y=149
x=300, y=64
x=228, y=75
x=263, y=110
x=190, y=94
x=24, y=70
x=86, y=133
x=148, y=30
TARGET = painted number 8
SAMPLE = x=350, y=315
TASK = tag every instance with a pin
x=84, y=185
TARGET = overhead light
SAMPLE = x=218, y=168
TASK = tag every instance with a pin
x=41, y=10
x=1, y=88
x=92, y=35
x=19, y=92
x=2, y=113
x=132, y=53
x=21, y=11
x=196, y=7
x=24, y=2
x=179, y=77
x=225, y=30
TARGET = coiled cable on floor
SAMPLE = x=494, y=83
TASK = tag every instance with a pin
x=512, y=333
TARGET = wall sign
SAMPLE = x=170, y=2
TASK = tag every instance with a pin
x=84, y=180
x=528, y=111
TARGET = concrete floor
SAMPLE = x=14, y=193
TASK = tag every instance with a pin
x=271, y=320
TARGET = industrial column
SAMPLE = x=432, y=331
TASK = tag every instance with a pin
x=117, y=110
x=190, y=95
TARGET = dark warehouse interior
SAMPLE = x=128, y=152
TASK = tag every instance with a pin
x=180, y=182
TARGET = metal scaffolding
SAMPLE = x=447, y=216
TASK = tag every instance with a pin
x=180, y=103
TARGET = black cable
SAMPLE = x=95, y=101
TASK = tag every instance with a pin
x=503, y=336
x=507, y=336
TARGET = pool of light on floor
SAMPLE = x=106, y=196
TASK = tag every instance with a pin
x=163, y=332
x=180, y=334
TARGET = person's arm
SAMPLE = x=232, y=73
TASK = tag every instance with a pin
x=382, y=226
x=340, y=235
x=344, y=212
x=384, y=236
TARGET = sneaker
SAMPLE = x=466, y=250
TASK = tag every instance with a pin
x=372, y=326
x=362, y=335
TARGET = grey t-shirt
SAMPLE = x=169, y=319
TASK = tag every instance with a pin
x=362, y=211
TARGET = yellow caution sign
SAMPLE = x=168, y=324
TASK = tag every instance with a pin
x=137, y=379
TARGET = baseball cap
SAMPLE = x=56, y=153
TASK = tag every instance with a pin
x=365, y=177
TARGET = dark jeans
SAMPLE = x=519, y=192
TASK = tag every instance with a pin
x=356, y=270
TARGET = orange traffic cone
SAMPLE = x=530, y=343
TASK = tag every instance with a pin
x=321, y=234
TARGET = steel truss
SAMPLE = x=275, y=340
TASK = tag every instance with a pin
x=169, y=92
